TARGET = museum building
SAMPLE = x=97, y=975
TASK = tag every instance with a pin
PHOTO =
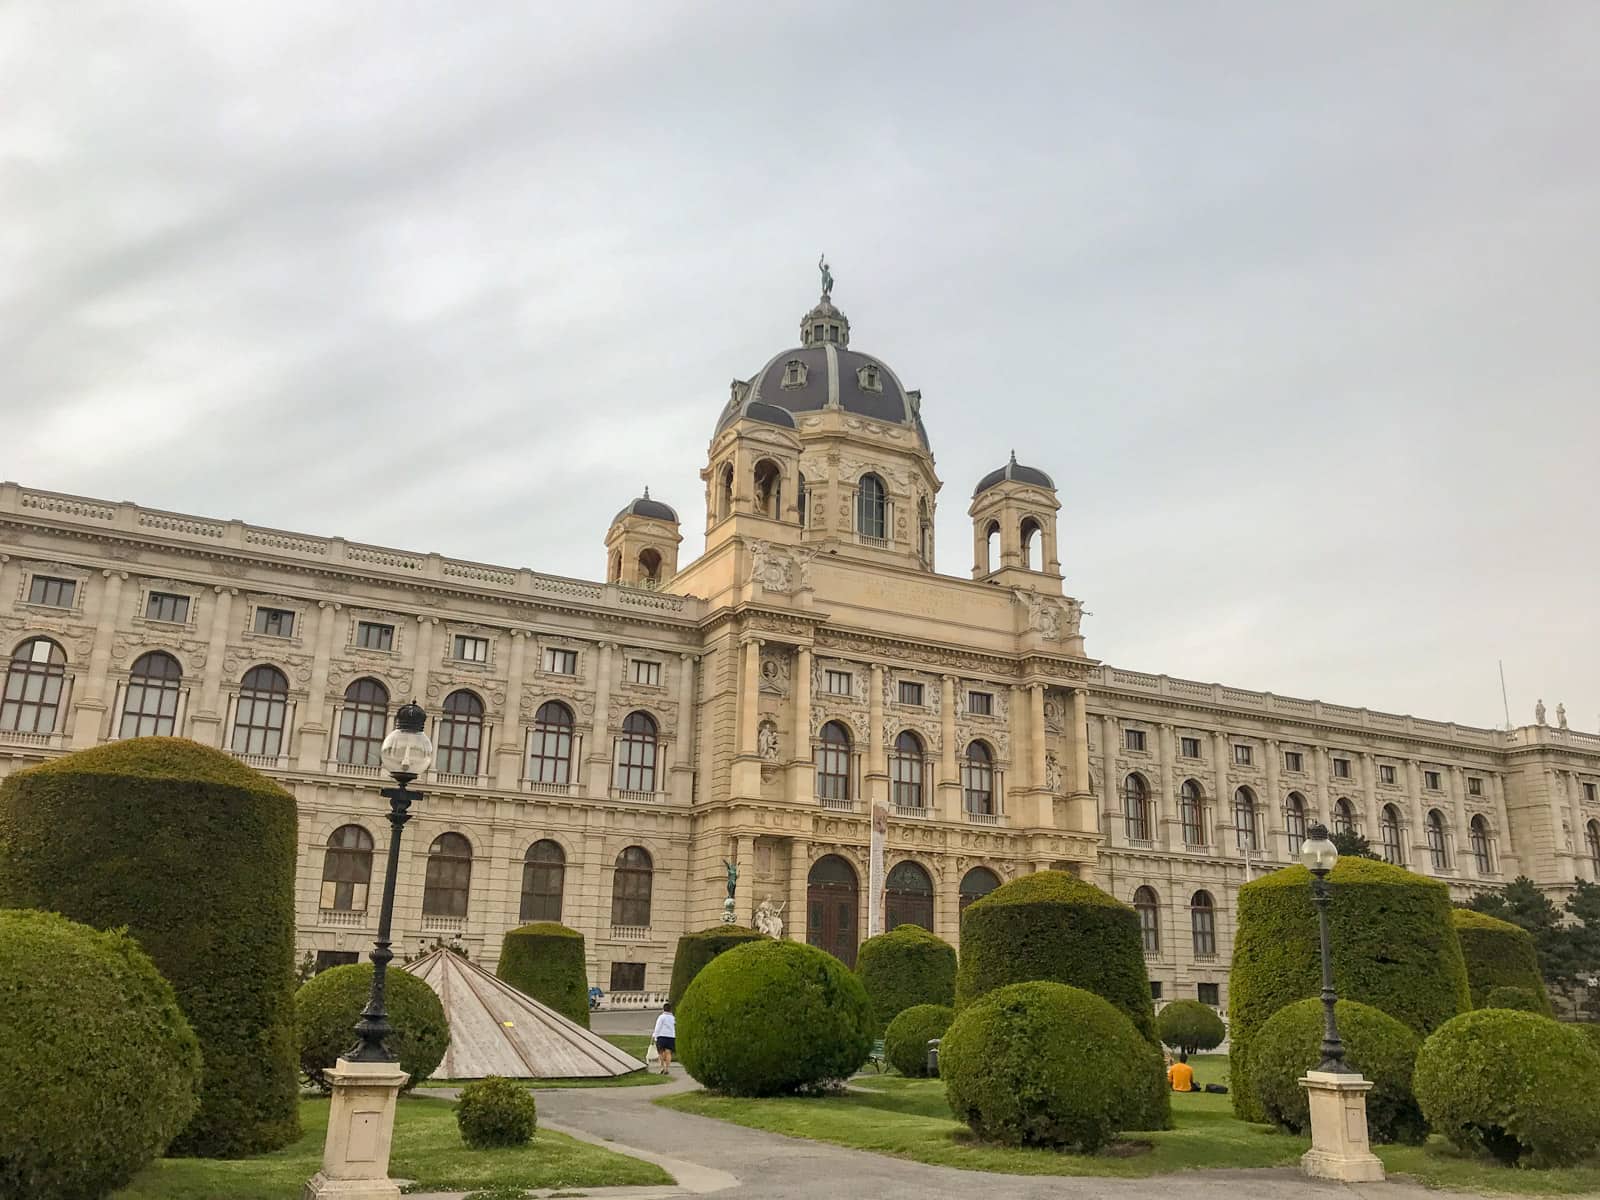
x=603, y=748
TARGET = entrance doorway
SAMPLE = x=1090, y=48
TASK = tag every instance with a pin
x=909, y=897
x=832, y=902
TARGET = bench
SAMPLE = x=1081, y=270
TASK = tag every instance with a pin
x=875, y=1056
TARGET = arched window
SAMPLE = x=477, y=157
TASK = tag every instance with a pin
x=630, y=888
x=1149, y=910
x=1136, y=808
x=150, y=709
x=649, y=567
x=924, y=531
x=1434, y=830
x=977, y=778
x=1591, y=839
x=905, y=771
x=34, y=680
x=769, y=489
x=616, y=568
x=801, y=500
x=449, y=877
x=1478, y=837
x=550, y=757
x=1032, y=545
x=1389, y=831
x=263, y=708
x=1203, y=924
x=872, y=508
x=725, y=492
x=991, y=547
x=544, y=873
x=362, y=723
x=1344, y=816
x=833, y=762
x=1294, y=822
x=1191, y=809
x=908, y=897
x=976, y=884
x=347, y=869
x=460, y=734
x=1244, y=820
x=635, y=769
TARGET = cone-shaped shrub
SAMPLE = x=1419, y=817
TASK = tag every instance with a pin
x=696, y=949
x=906, y=966
x=1498, y=954
x=546, y=960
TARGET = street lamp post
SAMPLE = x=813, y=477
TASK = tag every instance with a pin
x=1319, y=855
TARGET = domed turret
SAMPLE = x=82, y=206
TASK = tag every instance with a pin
x=642, y=544
x=1014, y=528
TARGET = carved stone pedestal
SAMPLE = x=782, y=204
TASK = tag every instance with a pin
x=355, y=1157
x=1339, y=1148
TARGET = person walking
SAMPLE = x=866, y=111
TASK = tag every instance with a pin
x=666, y=1036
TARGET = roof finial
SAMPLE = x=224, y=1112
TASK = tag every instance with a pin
x=827, y=276
x=1013, y=458
x=647, y=491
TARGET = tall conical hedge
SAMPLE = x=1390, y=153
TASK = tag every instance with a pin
x=1498, y=954
x=904, y=967
x=546, y=960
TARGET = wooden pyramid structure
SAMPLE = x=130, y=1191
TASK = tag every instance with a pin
x=497, y=1030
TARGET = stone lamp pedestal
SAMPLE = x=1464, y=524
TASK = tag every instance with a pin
x=1339, y=1148
x=355, y=1157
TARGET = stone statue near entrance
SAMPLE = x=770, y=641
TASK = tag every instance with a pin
x=769, y=918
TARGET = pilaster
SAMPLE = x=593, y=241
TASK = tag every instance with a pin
x=90, y=709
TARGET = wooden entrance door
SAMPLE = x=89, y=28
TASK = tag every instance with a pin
x=833, y=908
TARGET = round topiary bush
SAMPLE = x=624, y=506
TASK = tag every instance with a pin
x=101, y=1069
x=1518, y=999
x=546, y=960
x=329, y=1004
x=195, y=854
x=1394, y=947
x=1190, y=1026
x=496, y=1112
x=908, y=965
x=695, y=950
x=1514, y=1084
x=1498, y=954
x=770, y=1017
x=1044, y=1064
x=905, y=1042
x=1054, y=926
x=1375, y=1044
x=1591, y=1031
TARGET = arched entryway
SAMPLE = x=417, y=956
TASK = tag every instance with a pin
x=832, y=905
x=908, y=897
x=976, y=884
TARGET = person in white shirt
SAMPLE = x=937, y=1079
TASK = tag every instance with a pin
x=666, y=1036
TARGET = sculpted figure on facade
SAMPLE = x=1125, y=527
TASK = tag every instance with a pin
x=1561, y=715
x=767, y=741
x=769, y=918
x=1538, y=712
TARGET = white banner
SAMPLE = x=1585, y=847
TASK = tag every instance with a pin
x=880, y=835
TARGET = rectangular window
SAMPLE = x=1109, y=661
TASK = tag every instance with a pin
x=275, y=622
x=911, y=693
x=1243, y=756
x=1385, y=773
x=1189, y=747
x=1133, y=739
x=1155, y=989
x=1589, y=793
x=336, y=958
x=836, y=683
x=980, y=703
x=1293, y=760
x=627, y=977
x=647, y=672
x=1341, y=768
x=1430, y=780
x=164, y=606
x=51, y=592
x=1474, y=786
x=371, y=635
x=560, y=662
x=471, y=649
x=1207, y=993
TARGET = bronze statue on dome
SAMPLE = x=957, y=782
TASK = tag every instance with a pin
x=827, y=276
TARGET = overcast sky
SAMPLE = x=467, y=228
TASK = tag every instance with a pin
x=1297, y=302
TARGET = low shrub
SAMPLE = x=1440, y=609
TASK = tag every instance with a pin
x=1190, y=1026
x=771, y=1017
x=496, y=1112
x=329, y=1004
x=908, y=965
x=696, y=949
x=101, y=1068
x=1519, y=999
x=905, y=1042
x=1498, y=954
x=546, y=960
x=1513, y=1084
x=1375, y=1044
x=1044, y=1064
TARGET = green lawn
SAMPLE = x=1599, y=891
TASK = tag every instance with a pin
x=1441, y=1165
x=427, y=1149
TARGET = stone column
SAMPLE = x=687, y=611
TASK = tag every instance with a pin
x=313, y=733
x=1582, y=868
x=1322, y=798
x=1078, y=761
x=1116, y=829
x=207, y=724
x=421, y=655
x=1036, y=746
x=1369, y=796
x=1419, y=853
x=949, y=780
x=877, y=753
x=599, y=780
x=1507, y=861
x=802, y=765
x=1267, y=820
x=747, y=763
x=682, y=769
x=1339, y=1147
x=89, y=710
x=1171, y=830
x=1460, y=838
x=1227, y=842
x=799, y=868
x=510, y=744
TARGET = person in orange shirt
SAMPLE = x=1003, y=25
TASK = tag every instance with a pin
x=1181, y=1075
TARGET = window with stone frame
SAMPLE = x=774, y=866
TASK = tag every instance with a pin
x=1133, y=739
x=905, y=771
x=631, y=884
x=872, y=508
x=980, y=704
x=646, y=672
x=1189, y=747
x=1344, y=816
x=363, y=724
x=1386, y=773
x=48, y=591
x=550, y=746
x=1478, y=840
x=1438, y=849
x=1294, y=761
x=1209, y=993
x=977, y=779
x=1148, y=907
x=1294, y=822
x=150, y=705
x=1432, y=781
x=261, y=714
x=1191, y=812
x=1203, y=924
x=35, y=682
x=910, y=694
x=374, y=635
x=167, y=607
x=1247, y=834
x=460, y=735
x=833, y=762
x=836, y=683
x=627, y=977
x=1243, y=756
x=447, y=884
x=1341, y=768
x=469, y=649
x=1389, y=835
x=559, y=661
x=544, y=876
x=274, y=622
x=1136, y=808
x=635, y=767
x=347, y=870
x=1474, y=786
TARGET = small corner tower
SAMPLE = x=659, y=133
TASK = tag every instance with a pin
x=1014, y=529
x=642, y=544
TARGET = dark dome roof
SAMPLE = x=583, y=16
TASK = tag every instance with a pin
x=830, y=377
x=1014, y=472
x=645, y=507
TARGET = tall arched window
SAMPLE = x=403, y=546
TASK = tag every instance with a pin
x=1244, y=820
x=1438, y=853
x=544, y=874
x=1389, y=831
x=1591, y=839
x=976, y=884
x=263, y=708
x=833, y=762
x=991, y=547
x=1032, y=545
x=362, y=723
x=550, y=755
x=769, y=489
x=871, y=507
x=150, y=708
x=1149, y=910
x=635, y=769
x=725, y=492
x=977, y=778
x=460, y=735
x=347, y=869
x=449, y=879
x=1203, y=924
x=905, y=771
x=1294, y=822
x=908, y=897
x=801, y=500
x=34, y=680
x=630, y=888
x=924, y=531
x=1136, y=808
x=649, y=567
x=1344, y=816
x=1191, y=809
x=1478, y=838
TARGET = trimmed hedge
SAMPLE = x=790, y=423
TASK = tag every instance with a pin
x=1044, y=1064
x=1514, y=1084
x=1053, y=926
x=695, y=950
x=546, y=960
x=771, y=1017
x=1591, y=1031
x=1375, y=1044
x=1190, y=1026
x=195, y=854
x=101, y=1069
x=329, y=1004
x=1498, y=954
x=905, y=1042
x=907, y=965
x=494, y=1111
x=1394, y=947
x=1518, y=999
